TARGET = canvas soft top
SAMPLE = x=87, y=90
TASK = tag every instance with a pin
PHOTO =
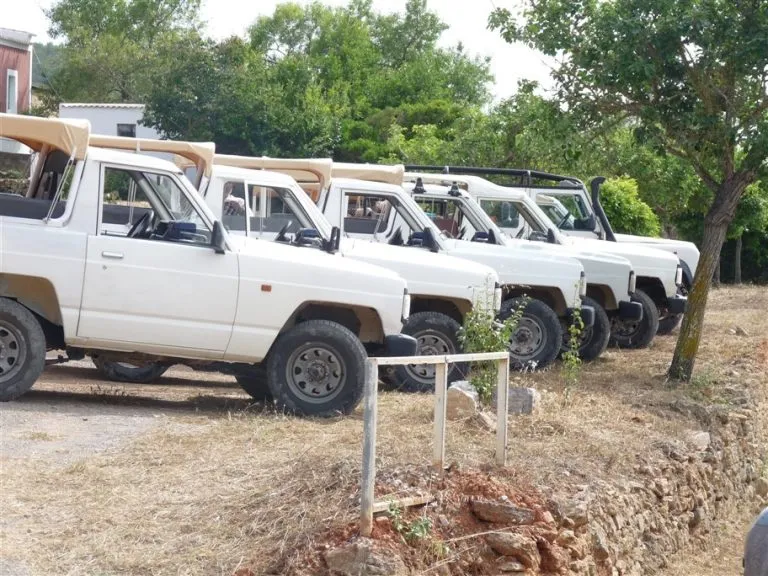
x=389, y=174
x=69, y=136
x=198, y=154
x=311, y=174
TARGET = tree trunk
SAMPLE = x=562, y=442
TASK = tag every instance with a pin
x=737, y=262
x=716, y=224
x=716, y=277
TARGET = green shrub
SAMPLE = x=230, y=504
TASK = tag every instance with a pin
x=627, y=213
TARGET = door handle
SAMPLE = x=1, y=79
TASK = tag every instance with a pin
x=112, y=255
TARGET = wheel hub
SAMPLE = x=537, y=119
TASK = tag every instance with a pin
x=527, y=339
x=12, y=351
x=429, y=344
x=315, y=373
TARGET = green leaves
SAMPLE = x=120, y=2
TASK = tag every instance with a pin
x=627, y=213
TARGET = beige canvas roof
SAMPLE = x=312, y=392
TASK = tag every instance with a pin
x=372, y=172
x=69, y=136
x=311, y=174
x=198, y=154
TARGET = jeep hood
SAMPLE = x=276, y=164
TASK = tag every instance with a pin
x=686, y=251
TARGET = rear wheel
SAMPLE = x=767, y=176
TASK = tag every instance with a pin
x=22, y=350
x=145, y=373
x=636, y=333
x=317, y=368
x=593, y=340
x=436, y=334
x=535, y=342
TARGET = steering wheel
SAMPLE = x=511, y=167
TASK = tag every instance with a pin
x=141, y=225
x=281, y=235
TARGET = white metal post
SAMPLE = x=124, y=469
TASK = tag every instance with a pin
x=369, y=447
x=502, y=406
x=441, y=389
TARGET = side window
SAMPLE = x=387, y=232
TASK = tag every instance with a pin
x=504, y=214
x=367, y=214
x=149, y=206
x=280, y=211
x=124, y=202
x=445, y=214
x=55, y=174
x=234, y=206
x=574, y=205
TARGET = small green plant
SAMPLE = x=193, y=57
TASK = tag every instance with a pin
x=484, y=332
x=411, y=532
x=571, y=360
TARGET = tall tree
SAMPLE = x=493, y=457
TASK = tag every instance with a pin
x=692, y=74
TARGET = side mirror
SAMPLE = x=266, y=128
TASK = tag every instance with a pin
x=551, y=236
x=481, y=237
x=332, y=245
x=429, y=240
x=587, y=223
x=217, y=238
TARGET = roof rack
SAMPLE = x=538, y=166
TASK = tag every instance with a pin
x=526, y=177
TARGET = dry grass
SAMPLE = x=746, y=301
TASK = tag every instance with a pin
x=218, y=489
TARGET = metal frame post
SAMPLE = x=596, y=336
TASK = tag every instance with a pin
x=441, y=404
x=502, y=407
x=369, y=447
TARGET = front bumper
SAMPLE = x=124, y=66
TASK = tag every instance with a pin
x=587, y=315
x=677, y=304
x=400, y=345
x=630, y=310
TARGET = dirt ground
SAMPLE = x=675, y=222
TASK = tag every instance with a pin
x=188, y=477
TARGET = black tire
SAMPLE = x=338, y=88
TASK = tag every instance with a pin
x=668, y=323
x=254, y=381
x=436, y=333
x=594, y=340
x=636, y=334
x=126, y=372
x=22, y=350
x=536, y=341
x=326, y=362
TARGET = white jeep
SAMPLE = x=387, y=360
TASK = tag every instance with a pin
x=658, y=273
x=116, y=255
x=265, y=205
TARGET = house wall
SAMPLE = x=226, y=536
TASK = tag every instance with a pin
x=104, y=119
x=19, y=60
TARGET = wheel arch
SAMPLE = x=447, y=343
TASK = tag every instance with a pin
x=550, y=296
x=455, y=309
x=363, y=322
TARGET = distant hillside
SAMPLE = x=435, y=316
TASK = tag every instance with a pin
x=45, y=62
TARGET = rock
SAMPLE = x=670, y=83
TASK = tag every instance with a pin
x=502, y=513
x=740, y=331
x=360, y=558
x=547, y=517
x=485, y=421
x=553, y=558
x=462, y=401
x=575, y=510
x=761, y=487
x=511, y=566
x=515, y=546
x=520, y=400
x=700, y=439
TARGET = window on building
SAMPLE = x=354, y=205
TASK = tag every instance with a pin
x=12, y=92
x=126, y=130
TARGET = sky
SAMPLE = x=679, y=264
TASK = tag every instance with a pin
x=467, y=21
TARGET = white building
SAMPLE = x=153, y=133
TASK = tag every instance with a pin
x=111, y=119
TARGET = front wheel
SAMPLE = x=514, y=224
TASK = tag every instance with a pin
x=593, y=340
x=535, y=341
x=22, y=350
x=436, y=334
x=145, y=373
x=636, y=333
x=317, y=368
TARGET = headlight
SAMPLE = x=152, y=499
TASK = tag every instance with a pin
x=679, y=275
x=497, y=296
x=632, y=282
x=583, y=285
x=406, y=306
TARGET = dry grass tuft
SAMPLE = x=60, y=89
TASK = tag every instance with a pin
x=222, y=486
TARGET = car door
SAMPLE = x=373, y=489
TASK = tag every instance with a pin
x=153, y=293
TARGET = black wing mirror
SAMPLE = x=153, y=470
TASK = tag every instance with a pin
x=217, y=238
x=429, y=240
x=333, y=243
